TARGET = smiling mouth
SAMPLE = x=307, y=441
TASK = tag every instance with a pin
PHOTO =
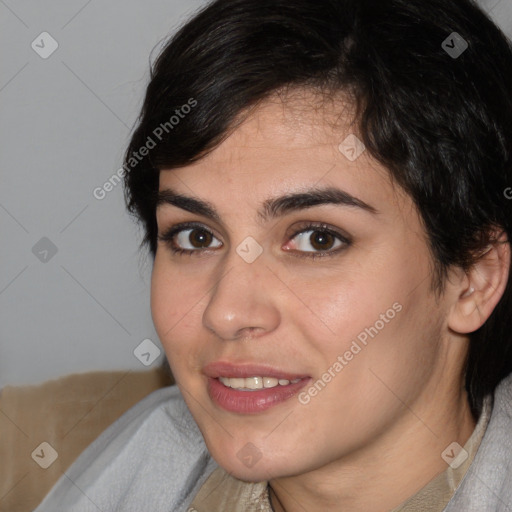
x=251, y=388
x=255, y=383
x=252, y=395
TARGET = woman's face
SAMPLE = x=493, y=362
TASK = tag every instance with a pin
x=332, y=289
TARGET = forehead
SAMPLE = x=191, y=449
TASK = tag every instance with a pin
x=288, y=144
x=287, y=126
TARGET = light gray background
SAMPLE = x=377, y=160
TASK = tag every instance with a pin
x=64, y=124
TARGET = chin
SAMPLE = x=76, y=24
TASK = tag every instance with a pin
x=260, y=472
x=250, y=465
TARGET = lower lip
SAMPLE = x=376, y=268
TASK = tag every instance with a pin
x=246, y=402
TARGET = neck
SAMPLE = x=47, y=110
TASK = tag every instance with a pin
x=388, y=471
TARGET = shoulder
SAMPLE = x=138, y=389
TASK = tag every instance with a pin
x=486, y=485
x=153, y=454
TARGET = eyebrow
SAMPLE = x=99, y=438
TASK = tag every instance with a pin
x=271, y=208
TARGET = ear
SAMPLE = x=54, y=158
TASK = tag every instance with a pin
x=481, y=288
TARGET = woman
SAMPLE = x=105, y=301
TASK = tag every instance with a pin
x=322, y=186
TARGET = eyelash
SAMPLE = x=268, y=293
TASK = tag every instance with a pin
x=168, y=238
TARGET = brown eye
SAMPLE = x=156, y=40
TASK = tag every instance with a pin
x=321, y=240
x=317, y=240
x=200, y=238
x=189, y=239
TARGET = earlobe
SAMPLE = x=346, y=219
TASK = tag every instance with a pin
x=482, y=288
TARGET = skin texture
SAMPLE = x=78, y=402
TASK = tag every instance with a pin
x=374, y=434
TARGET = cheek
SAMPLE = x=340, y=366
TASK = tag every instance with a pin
x=175, y=308
x=336, y=308
x=380, y=314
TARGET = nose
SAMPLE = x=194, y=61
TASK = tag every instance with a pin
x=242, y=303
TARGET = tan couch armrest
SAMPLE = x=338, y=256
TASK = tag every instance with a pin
x=68, y=413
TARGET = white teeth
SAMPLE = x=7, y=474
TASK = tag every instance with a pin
x=251, y=383
x=238, y=383
x=270, y=382
x=254, y=383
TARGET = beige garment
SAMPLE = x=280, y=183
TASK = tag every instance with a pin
x=223, y=493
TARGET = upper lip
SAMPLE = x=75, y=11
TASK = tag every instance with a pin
x=243, y=370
